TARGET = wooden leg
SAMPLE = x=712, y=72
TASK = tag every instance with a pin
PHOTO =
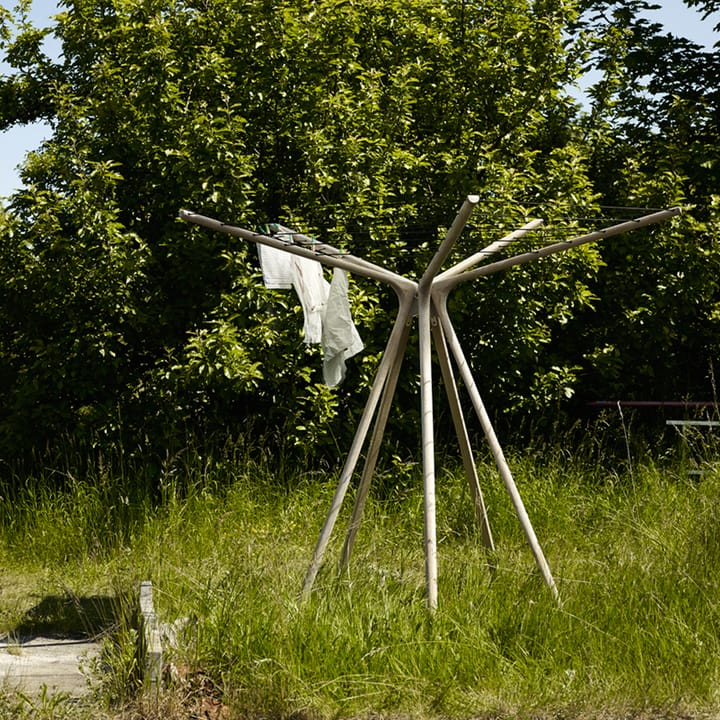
x=496, y=449
x=391, y=351
x=373, y=450
x=462, y=435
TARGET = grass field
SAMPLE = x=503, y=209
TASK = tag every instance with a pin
x=226, y=541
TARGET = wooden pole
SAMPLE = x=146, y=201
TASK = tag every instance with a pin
x=444, y=284
x=374, y=447
x=495, y=447
x=427, y=428
x=391, y=351
x=306, y=247
x=428, y=448
x=490, y=249
x=462, y=434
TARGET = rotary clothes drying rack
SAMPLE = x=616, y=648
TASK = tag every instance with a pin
x=425, y=299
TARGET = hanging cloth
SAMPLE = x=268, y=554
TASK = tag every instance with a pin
x=326, y=307
x=340, y=338
x=277, y=267
x=312, y=289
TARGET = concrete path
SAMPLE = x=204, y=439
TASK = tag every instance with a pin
x=31, y=664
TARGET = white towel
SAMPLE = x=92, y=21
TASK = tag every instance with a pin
x=277, y=267
x=340, y=338
x=282, y=270
x=326, y=307
x=312, y=289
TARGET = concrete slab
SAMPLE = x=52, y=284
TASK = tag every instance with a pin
x=30, y=664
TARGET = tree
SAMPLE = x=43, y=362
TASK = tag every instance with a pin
x=365, y=123
x=25, y=96
x=707, y=7
x=658, y=335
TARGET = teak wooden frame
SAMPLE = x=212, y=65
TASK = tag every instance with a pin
x=425, y=299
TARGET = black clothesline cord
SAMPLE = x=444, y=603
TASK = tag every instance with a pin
x=470, y=235
x=356, y=236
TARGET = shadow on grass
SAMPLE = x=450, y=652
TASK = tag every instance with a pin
x=70, y=617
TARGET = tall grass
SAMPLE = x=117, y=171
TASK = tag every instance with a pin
x=226, y=543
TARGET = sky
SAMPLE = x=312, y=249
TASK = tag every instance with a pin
x=16, y=142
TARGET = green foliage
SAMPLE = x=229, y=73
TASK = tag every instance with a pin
x=71, y=278
x=654, y=330
x=25, y=95
x=365, y=123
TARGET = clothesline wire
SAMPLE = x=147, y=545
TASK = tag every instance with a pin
x=517, y=246
x=355, y=226
x=481, y=224
x=474, y=234
x=356, y=236
x=484, y=220
x=473, y=242
x=522, y=204
x=361, y=237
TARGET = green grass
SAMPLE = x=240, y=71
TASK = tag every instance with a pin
x=226, y=544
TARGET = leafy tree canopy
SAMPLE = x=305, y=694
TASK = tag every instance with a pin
x=363, y=122
x=658, y=96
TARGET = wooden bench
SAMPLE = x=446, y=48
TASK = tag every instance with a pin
x=693, y=423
